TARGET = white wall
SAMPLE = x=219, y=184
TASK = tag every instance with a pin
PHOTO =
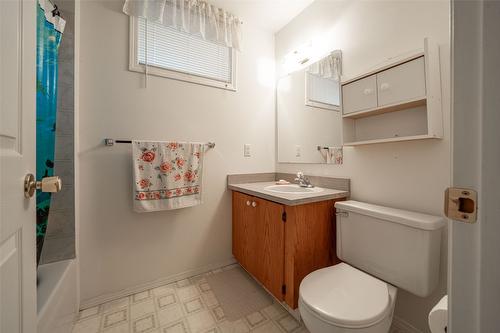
x=119, y=248
x=407, y=175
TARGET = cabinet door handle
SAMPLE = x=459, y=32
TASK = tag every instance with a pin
x=248, y=202
x=368, y=91
x=384, y=86
x=254, y=204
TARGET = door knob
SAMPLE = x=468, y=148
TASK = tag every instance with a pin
x=248, y=202
x=254, y=204
x=47, y=184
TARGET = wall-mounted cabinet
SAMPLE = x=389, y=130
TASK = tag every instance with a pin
x=398, y=102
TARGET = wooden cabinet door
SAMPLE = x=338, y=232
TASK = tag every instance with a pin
x=310, y=243
x=243, y=230
x=269, y=246
x=258, y=240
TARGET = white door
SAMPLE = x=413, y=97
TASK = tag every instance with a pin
x=17, y=158
x=474, y=249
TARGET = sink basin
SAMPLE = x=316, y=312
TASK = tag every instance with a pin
x=293, y=189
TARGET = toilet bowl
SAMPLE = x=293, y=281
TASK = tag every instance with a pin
x=381, y=248
x=343, y=299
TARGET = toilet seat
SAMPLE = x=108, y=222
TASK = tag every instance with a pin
x=345, y=296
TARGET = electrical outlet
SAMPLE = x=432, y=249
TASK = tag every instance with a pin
x=247, y=150
x=297, y=151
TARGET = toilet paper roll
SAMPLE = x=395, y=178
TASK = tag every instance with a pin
x=438, y=317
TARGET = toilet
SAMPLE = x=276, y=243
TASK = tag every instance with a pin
x=382, y=249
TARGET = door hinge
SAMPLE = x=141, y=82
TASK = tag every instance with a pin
x=283, y=216
x=283, y=289
x=461, y=204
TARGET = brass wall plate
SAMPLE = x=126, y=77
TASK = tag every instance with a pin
x=461, y=204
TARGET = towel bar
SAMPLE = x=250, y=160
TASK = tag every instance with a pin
x=111, y=142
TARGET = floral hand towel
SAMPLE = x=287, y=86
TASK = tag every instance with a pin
x=335, y=155
x=167, y=175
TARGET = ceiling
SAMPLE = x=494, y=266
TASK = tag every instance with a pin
x=270, y=15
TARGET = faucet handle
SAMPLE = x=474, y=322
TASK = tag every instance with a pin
x=300, y=175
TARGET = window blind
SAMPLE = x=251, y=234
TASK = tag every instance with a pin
x=176, y=50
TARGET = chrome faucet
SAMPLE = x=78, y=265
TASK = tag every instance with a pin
x=302, y=180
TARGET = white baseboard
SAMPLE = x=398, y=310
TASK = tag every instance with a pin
x=400, y=325
x=153, y=284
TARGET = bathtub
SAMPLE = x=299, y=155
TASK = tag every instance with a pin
x=57, y=302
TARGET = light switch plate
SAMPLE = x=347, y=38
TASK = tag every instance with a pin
x=246, y=150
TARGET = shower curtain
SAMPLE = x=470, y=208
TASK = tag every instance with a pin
x=49, y=33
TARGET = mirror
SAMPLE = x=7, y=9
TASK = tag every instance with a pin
x=308, y=106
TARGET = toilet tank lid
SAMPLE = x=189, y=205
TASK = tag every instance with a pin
x=411, y=219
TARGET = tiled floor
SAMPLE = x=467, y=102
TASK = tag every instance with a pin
x=186, y=306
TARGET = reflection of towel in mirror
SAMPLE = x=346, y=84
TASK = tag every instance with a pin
x=167, y=175
x=335, y=155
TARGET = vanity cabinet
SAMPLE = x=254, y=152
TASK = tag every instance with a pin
x=279, y=244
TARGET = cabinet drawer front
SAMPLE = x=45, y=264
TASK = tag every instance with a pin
x=359, y=95
x=402, y=83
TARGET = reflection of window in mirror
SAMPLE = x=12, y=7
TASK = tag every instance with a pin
x=322, y=83
x=322, y=92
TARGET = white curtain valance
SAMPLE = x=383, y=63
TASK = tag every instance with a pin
x=330, y=67
x=193, y=16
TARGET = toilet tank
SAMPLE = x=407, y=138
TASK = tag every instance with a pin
x=397, y=246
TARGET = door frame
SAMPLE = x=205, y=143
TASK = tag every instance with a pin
x=473, y=287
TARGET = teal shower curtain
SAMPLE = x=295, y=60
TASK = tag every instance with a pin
x=48, y=41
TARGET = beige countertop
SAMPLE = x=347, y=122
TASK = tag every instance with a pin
x=290, y=199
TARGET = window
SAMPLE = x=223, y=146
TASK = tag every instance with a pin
x=179, y=55
x=322, y=92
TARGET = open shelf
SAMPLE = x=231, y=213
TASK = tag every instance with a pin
x=395, y=139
